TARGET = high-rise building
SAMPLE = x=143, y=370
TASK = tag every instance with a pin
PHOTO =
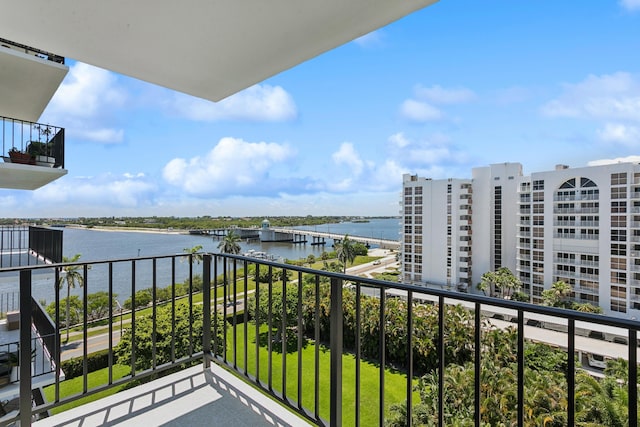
x=577, y=225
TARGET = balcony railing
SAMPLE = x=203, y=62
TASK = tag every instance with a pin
x=31, y=51
x=31, y=143
x=290, y=331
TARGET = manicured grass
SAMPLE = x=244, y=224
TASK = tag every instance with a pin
x=395, y=384
x=94, y=379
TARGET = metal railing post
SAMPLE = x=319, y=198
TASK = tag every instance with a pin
x=206, y=310
x=25, y=347
x=336, y=342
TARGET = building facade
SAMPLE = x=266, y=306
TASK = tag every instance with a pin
x=578, y=225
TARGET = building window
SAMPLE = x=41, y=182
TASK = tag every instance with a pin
x=618, y=263
x=418, y=199
x=418, y=210
x=407, y=229
x=408, y=220
x=619, y=178
x=618, y=207
x=618, y=235
x=616, y=193
x=538, y=185
x=418, y=229
x=619, y=306
x=618, y=249
x=417, y=190
x=407, y=210
x=618, y=277
x=407, y=191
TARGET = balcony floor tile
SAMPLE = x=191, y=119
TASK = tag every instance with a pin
x=191, y=397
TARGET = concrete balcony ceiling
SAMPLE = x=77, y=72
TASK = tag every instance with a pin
x=27, y=177
x=27, y=82
x=206, y=48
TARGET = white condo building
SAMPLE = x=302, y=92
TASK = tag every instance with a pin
x=578, y=225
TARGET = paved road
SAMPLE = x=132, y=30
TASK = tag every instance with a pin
x=95, y=343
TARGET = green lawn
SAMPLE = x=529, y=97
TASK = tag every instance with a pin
x=94, y=379
x=395, y=382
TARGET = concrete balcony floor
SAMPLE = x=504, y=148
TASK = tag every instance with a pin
x=192, y=397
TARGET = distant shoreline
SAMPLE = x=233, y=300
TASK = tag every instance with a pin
x=129, y=229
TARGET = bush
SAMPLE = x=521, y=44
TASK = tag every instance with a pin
x=73, y=367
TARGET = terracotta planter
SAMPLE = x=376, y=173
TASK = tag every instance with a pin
x=24, y=158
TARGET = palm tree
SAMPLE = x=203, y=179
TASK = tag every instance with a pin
x=558, y=295
x=194, y=252
x=70, y=276
x=488, y=281
x=229, y=245
x=346, y=252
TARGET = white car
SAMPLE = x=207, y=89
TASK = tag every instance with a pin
x=376, y=262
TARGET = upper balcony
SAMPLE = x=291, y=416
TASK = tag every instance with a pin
x=33, y=154
x=30, y=77
x=333, y=349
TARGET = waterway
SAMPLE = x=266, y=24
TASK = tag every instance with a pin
x=94, y=245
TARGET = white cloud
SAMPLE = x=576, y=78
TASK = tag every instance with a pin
x=439, y=95
x=259, y=103
x=417, y=111
x=620, y=133
x=105, y=135
x=630, y=4
x=232, y=167
x=103, y=192
x=421, y=109
x=607, y=97
x=601, y=162
x=84, y=103
x=347, y=155
x=399, y=140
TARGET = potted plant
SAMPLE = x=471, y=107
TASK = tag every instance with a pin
x=18, y=156
x=40, y=152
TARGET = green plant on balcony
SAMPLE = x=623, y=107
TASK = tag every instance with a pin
x=41, y=151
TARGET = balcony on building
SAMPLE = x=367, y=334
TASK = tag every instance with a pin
x=26, y=246
x=32, y=154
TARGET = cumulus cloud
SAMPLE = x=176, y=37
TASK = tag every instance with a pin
x=399, y=140
x=601, y=162
x=620, y=133
x=419, y=111
x=348, y=156
x=259, y=103
x=421, y=107
x=232, y=167
x=607, y=97
x=84, y=104
x=439, y=95
x=114, y=191
x=630, y=4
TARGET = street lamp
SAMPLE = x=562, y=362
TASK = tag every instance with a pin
x=120, y=308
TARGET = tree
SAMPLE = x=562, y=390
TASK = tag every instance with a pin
x=229, y=245
x=70, y=276
x=98, y=304
x=345, y=251
x=165, y=330
x=487, y=282
x=194, y=252
x=311, y=258
x=74, y=309
x=558, y=295
x=507, y=282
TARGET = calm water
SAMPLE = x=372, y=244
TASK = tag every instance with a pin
x=108, y=245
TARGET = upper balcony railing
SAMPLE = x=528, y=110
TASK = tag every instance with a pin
x=31, y=143
x=32, y=51
x=339, y=349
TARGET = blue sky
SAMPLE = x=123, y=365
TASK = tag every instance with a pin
x=460, y=84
